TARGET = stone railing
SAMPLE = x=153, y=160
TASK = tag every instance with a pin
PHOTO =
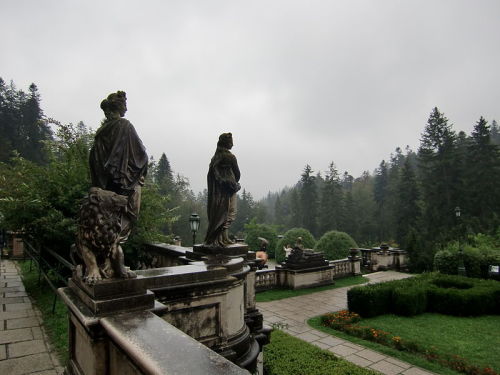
x=265, y=280
x=341, y=268
x=377, y=259
x=282, y=277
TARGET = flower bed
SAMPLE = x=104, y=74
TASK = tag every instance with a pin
x=347, y=322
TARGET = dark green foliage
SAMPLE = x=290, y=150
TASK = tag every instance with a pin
x=23, y=128
x=252, y=233
x=370, y=301
x=331, y=210
x=482, y=174
x=290, y=238
x=409, y=301
x=309, y=200
x=445, y=294
x=287, y=355
x=246, y=212
x=335, y=245
x=44, y=199
x=478, y=256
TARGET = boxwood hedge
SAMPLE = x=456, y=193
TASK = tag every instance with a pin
x=433, y=292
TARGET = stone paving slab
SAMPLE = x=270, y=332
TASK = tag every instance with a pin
x=302, y=308
x=24, y=347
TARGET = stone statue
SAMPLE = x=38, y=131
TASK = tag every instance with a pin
x=118, y=165
x=223, y=176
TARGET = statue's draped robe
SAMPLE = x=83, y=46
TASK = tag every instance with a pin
x=223, y=176
x=118, y=162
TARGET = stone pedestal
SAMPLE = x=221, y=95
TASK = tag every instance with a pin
x=211, y=299
x=304, y=269
x=355, y=260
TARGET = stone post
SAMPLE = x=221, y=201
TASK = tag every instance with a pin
x=355, y=262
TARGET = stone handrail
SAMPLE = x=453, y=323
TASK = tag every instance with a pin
x=143, y=343
x=265, y=279
x=341, y=268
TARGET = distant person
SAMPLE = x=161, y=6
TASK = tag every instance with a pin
x=261, y=254
x=287, y=250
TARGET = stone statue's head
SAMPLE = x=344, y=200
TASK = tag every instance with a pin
x=225, y=140
x=115, y=104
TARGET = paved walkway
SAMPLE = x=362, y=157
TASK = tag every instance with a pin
x=24, y=347
x=295, y=311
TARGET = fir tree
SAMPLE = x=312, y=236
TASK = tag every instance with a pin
x=309, y=200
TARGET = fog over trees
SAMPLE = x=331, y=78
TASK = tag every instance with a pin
x=408, y=201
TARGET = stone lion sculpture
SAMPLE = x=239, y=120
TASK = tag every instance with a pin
x=99, y=234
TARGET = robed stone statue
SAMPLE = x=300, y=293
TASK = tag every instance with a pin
x=118, y=165
x=223, y=183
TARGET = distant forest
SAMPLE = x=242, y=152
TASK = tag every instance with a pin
x=408, y=201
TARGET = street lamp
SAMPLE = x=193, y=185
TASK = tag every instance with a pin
x=194, y=223
x=461, y=266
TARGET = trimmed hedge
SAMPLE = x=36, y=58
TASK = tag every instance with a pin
x=335, y=245
x=444, y=294
x=287, y=355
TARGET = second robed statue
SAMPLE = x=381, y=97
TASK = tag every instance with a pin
x=223, y=183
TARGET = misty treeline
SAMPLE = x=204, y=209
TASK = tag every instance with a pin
x=409, y=200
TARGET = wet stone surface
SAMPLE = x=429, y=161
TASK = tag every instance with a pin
x=23, y=346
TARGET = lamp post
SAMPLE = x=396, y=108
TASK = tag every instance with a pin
x=461, y=266
x=194, y=223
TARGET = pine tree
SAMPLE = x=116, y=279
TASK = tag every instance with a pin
x=330, y=212
x=495, y=133
x=164, y=176
x=438, y=176
x=309, y=200
x=381, y=195
x=407, y=197
x=483, y=175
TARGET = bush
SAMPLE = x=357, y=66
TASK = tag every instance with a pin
x=478, y=255
x=335, y=245
x=409, y=301
x=444, y=294
x=290, y=238
x=287, y=355
x=252, y=233
x=370, y=301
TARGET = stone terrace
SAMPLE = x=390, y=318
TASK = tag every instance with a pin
x=295, y=311
x=24, y=347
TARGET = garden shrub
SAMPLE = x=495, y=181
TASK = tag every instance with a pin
x=482, y=251
x=290, y=238
x=444, y=294
x=370, y=301
x=287, y=355
x=335, y=245
x=409, y=301
x=252, y=233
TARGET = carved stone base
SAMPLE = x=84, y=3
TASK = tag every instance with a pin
x=234, y=250
x=114, y=295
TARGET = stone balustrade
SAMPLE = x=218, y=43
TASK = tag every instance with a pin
x=265, y=280
x=279, y=277
x=341, y=268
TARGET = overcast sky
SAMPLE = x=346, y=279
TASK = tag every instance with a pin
x=296, y=82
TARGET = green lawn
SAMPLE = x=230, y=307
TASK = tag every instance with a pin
x=276, y=294
x=288, y=355
x=55, y=324
x=403, y=356
x=476, y=339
